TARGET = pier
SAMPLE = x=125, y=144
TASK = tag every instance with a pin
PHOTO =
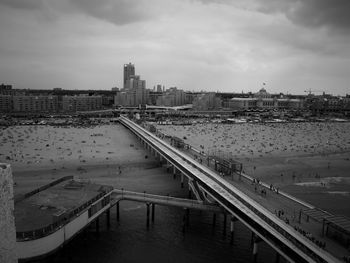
x=204, y=182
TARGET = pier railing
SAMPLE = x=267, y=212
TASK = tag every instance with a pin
x=47, y=230
x=21, y=197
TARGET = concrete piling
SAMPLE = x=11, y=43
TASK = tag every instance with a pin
x=255, y=251
x=97, y=225
x=225, y=223
x=108, y=217
x=232, y=227
x=147, y=221
x=153, y=211
x=277, y=259
x=187, y=213
x=117, y=208
x=255, y=240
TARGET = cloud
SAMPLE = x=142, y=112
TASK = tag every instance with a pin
x=193, y=44
x=119, y=12
x=312, y=13
x=23, y=4
x=333, y=14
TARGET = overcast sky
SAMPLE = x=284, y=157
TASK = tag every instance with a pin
x=211, y=45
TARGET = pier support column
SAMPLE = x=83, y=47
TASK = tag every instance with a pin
x=147, y=222
x=187, y=214
x=255, y=252
x=225, y=223
x=185, y=219
x=255, y=240
x=168, y=166
x=277, y=259
x=108, y=217
x=214, y=219
x=182, y=180
x=117, y=209
x=232, y=227
x=97, y=225
x=153, y=211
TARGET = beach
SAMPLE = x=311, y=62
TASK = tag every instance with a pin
x=308, y=160
x=106, y=154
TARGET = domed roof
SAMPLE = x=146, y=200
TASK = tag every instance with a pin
x=262, y=93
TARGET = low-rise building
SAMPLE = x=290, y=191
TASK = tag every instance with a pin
x=81, y=103
x=6, y=103
x=35, y=103
x=263, y=100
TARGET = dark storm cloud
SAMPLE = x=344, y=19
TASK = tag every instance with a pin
x=333, y=14
x=119, y=12
x=312, y=13
x=22, y=4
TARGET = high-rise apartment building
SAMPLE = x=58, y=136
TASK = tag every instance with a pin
x=134, y=92
x=129, y=70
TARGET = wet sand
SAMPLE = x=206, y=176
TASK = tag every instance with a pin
x=308, y=160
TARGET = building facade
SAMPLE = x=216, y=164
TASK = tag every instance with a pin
x=6, y=104
x=264, y=101
x=172, y=97
x=81, y=103
x=35, y=103
x=134, y=92
x=129, y=70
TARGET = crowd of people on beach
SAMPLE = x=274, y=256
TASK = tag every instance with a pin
x=252, y=140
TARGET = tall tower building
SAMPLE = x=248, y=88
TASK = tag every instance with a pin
x=129, y=70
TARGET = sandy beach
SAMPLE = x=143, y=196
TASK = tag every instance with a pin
x=308, y=160
x=111, y=154
x=106, y=154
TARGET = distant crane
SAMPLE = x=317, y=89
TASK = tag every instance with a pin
x=310, y=91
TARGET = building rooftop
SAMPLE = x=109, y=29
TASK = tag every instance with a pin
x=49, y=205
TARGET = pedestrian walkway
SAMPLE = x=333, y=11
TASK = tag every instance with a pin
x=285, y=206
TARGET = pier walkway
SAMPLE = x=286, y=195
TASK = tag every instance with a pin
x=118, y=195
x=286, y=240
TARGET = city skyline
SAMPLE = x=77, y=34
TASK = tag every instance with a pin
x=292, y=46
